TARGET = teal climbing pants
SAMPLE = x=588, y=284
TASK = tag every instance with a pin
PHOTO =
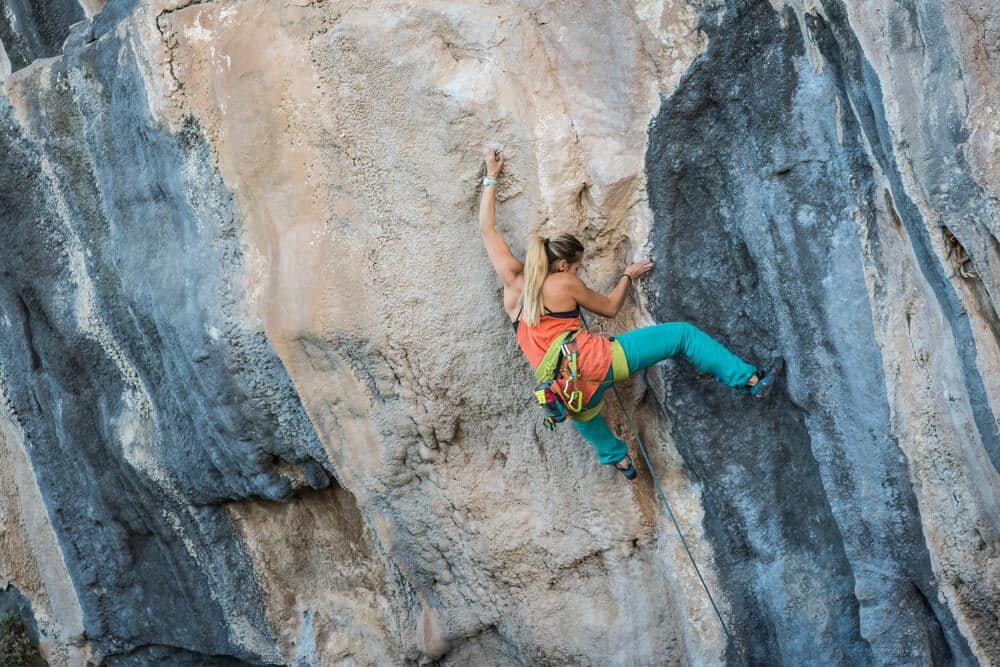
x=644, y=347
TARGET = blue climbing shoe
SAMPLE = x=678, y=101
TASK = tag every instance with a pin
x=629, y=472
x=767, y=377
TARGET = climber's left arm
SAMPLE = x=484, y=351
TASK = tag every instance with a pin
x=505, y=264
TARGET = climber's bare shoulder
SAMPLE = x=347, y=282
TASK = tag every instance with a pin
x=559, y=290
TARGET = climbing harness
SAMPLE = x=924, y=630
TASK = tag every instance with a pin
x=557, y=405
x=558, y=392
x=663, y=497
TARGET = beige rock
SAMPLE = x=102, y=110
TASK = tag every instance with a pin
x=352, y=135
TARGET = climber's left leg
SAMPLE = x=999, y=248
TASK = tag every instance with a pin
x=647, y=345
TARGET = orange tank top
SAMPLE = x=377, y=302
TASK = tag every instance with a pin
x=595, y=351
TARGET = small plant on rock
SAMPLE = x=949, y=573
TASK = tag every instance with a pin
x=16, y=649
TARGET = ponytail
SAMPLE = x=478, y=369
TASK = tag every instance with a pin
x=536, y=268
x=540, y=255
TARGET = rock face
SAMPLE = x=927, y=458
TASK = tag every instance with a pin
x=261, y=404
x=34, y=30
x=822, y=253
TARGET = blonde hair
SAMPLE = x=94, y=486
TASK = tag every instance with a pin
x=541, y=255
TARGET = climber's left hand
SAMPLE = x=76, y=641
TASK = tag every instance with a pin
x=494, y=162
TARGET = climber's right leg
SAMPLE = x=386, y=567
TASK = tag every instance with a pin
x=647, y=345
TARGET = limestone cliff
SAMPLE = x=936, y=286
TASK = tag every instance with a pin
x=261, y=404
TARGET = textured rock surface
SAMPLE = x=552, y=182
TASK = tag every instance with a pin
x=821, y=253
x=30, y=30
x=261, y=404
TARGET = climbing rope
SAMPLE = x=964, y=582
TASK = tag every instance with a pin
x=666, y=503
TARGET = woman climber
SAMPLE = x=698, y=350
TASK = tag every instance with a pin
x=543, y=296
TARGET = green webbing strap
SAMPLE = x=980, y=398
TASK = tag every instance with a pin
x=586, y=415
x=663, y=496
x=550, y=362
x=619, y=365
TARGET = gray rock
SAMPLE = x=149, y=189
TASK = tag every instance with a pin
x=80, y=34
x=133, y=444
x=30, y=30
x=757, y=194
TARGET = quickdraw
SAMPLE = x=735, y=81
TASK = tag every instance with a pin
x=570, y=352
x=552, y=405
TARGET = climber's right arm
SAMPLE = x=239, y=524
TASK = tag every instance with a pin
x=609, y=305
x=606, y=305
